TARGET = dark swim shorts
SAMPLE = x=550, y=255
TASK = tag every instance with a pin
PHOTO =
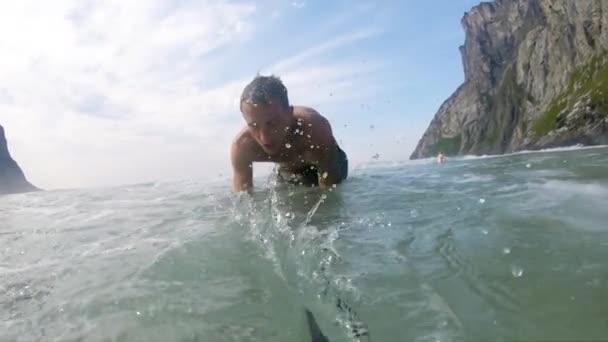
x=309, y=175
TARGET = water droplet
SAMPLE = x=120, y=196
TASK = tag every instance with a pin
x=485, y=232
x=506, y=250
x=528, y=166
x=138, y=313
x=482, y=200
x=312, y=147
x=288, y=145
x=312, y=167
x=301, y=132
x=309, y=125
x=297, y=130
x=324, y=196
x=299, y=123
x=308, y=136
x=333, y=185
x=389, y=224
x=517, y=271
x=324, y=175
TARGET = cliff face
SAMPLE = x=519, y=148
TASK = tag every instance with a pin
x=12, y=179
x=536, y=76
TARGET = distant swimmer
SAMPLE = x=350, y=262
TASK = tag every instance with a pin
x=297, y=138
x=440, y=158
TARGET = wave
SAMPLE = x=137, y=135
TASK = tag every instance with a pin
x=577, y=147
x=576, y=188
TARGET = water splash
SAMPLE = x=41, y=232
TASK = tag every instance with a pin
x=517, y=271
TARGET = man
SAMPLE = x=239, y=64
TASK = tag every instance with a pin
x=440, y=158
x=297, y=138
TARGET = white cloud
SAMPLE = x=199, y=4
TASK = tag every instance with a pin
x=331, y=44
x=311, y=80
x=109, y=92
x=299, y=4
x=87, y=81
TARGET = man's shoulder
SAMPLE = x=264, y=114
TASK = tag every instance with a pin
x=242, y=138
x=242, y=147
x=316, y=124
x=310, y=116
x=305, y=112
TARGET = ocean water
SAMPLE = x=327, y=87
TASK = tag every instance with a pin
x=505, y=248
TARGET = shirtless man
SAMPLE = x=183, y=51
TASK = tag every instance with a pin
x=440, y=158
x=297, y=138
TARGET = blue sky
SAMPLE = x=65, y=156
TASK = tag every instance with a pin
x=99, y=93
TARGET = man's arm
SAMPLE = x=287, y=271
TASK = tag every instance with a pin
x=329, y=167
x=327, y=156
x=242, y=167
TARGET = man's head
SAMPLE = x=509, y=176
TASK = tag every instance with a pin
x=265, y=107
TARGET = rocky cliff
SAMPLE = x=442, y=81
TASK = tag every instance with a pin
x=12, y=179
x=536, y=76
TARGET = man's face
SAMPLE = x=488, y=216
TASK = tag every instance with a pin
x=268, y=124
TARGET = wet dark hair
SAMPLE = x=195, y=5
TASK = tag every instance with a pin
x=262, y=89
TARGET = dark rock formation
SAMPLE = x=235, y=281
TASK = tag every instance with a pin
x=536, y=76
x=12, y=179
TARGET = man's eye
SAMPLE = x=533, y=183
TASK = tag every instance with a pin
x=253, y=125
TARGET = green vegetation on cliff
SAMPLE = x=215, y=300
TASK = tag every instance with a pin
x=447, y=146
x=590, y=80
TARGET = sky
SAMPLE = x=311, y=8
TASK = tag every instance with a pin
x=103, y=93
